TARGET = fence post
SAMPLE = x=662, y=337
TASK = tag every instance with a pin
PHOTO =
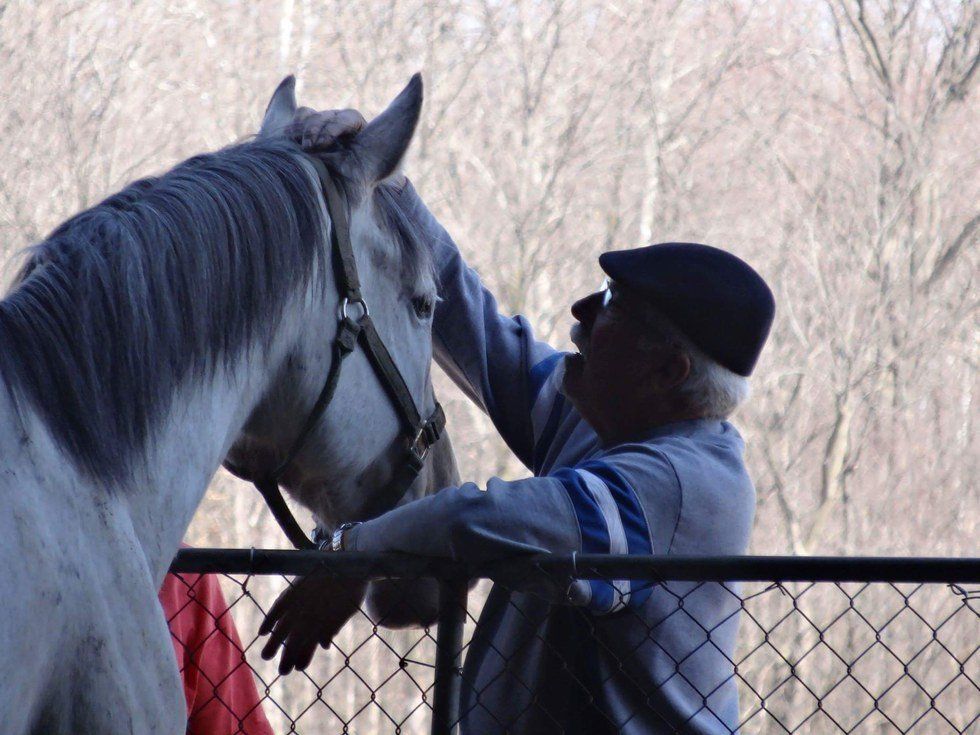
x=449, y=655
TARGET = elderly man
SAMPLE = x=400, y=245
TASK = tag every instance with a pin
x=630, y=452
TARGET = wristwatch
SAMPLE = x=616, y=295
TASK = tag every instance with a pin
x=337, y=540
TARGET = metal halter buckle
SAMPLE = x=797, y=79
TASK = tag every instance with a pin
x=420, y=454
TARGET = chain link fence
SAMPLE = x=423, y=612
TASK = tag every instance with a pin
x=823, y=645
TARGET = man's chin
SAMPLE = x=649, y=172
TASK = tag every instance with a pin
x=571, y=382
x=575, y=387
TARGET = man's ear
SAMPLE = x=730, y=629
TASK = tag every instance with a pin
x=281, y=109
x=668, y=370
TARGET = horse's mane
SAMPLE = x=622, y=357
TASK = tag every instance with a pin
x=169, y=276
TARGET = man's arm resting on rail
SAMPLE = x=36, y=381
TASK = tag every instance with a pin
x=466, y=523
x=591, y=508
x=476, y=525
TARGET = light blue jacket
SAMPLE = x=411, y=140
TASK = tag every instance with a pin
x=655, y=658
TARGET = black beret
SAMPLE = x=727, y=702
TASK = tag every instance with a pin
x=716, y=299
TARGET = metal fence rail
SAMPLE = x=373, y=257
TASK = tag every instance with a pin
x=824, y=644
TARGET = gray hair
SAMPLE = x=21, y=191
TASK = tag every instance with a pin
x=710, y=387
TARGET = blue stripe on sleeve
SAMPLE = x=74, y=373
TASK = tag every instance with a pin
x=545, y=403
x=603, y=596
x=634, y=522
x=540, y=373
x=595, y=535
x=543, y=443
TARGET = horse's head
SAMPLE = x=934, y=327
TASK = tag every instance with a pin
x=357, y=447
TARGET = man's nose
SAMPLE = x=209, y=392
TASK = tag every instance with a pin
x=584, y=310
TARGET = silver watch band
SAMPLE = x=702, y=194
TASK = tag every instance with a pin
x=337, y=541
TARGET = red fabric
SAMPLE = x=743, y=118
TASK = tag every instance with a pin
x=221, y=695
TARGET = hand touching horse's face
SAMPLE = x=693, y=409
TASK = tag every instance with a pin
x=358, y=444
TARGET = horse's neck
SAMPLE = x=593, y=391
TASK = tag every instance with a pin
x=204, y=420
x=151, y=514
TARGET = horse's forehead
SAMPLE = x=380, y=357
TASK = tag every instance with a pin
x=388, y=252
x=370, y=238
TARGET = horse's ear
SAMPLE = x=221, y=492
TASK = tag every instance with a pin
x=380, y=147
x=281, y=109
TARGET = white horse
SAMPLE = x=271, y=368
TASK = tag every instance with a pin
x=184, y=319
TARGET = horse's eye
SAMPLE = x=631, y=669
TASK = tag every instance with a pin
x=422, y=306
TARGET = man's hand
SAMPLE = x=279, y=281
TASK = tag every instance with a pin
x=309, y=613
x=316, y=131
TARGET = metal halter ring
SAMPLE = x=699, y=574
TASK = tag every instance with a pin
x=345, y=302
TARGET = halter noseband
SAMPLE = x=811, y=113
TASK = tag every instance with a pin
x=419, y=434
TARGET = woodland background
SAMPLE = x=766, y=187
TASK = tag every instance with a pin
x=834, y=145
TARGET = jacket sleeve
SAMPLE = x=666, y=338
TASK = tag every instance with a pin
x=494, y=359
x=592, y=508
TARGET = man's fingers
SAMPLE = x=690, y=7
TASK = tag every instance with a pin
x=279, y=634
x=278, y=609
x=324, y=133
x=269, y=650
x=295, y=128
x=270, y=620
x=326, y=635
x=298, y=652
x=318, y=130
x=351, y=119
x=298, y=649
x=301, y=116
x=303, y=657
x=310, y=613
x=345, y=122
x=311, y=130
x=339, y=124
x=329, y=629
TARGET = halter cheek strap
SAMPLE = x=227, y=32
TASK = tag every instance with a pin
x=419, y=434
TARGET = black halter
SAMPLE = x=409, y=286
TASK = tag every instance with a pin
x=419, y=434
